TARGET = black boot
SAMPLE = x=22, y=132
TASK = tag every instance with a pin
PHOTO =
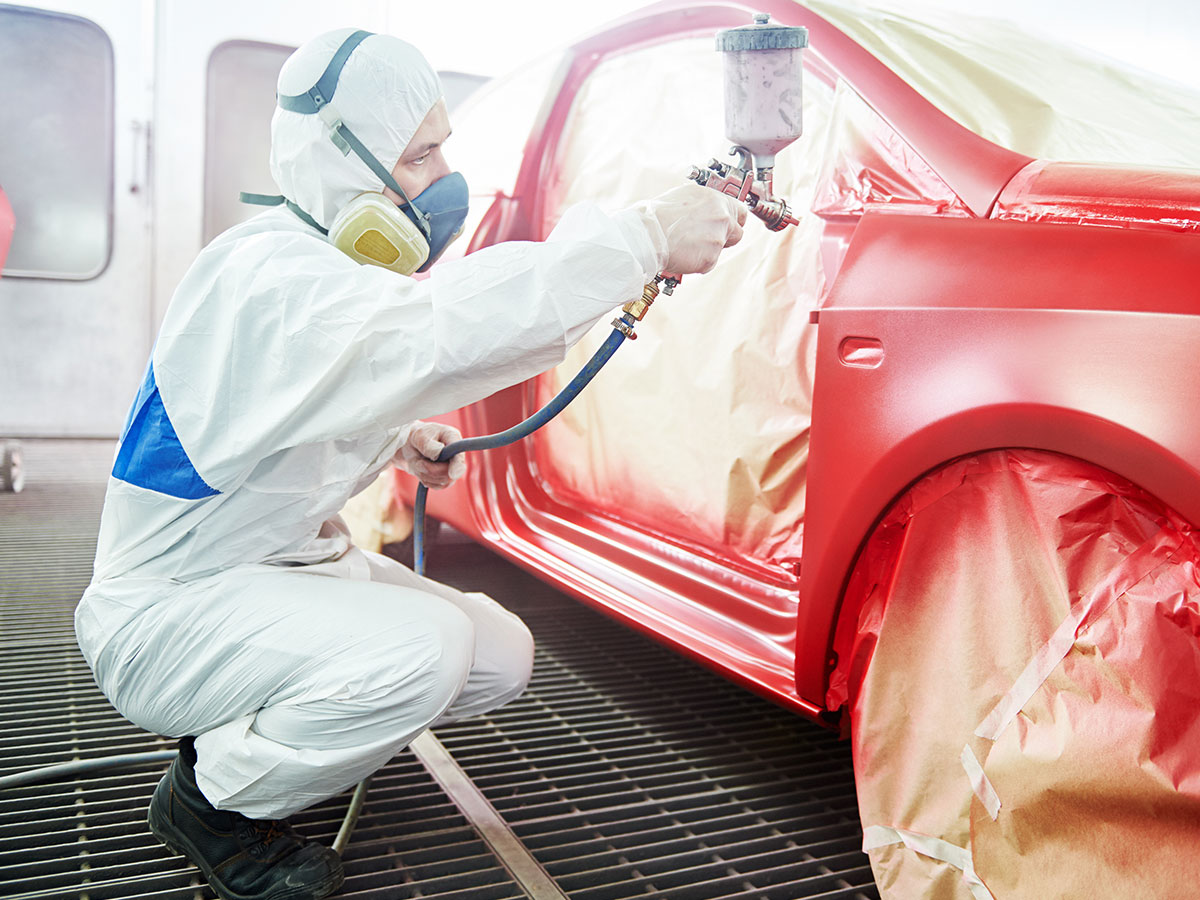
x=243, y=859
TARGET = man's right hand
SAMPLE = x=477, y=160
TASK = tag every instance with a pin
x=698, y=223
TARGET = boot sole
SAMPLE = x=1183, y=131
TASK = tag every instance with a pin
x=179, y=845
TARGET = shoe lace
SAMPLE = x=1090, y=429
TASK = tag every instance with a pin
x=259, y=835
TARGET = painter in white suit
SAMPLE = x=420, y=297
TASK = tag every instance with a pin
x=228, y=606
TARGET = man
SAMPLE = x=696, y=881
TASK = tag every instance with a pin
x=228, y=606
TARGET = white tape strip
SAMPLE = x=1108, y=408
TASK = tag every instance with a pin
x=980, y=784
x=1043, y=663
x=875, y=836
x=1144, y=560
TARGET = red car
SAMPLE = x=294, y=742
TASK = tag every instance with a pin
x=926, y=464
x=11, y=475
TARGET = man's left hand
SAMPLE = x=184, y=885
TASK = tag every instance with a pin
x=419, y=452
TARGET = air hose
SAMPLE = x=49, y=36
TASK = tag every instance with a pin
x=63, y=771
x=523, y=429
x=631, y=313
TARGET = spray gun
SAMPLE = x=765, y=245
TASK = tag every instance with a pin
x=763, y=114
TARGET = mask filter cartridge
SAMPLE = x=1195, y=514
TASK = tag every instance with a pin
x=369, y=230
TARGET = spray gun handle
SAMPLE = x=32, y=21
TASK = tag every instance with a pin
x=737, y=182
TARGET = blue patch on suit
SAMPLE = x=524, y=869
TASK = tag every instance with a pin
x=150, y=455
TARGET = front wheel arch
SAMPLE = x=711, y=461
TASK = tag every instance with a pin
x=845, y=507
x=990, y=568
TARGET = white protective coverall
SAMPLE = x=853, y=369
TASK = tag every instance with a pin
x=227, y=601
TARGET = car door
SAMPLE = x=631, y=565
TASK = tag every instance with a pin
x=673, y=492
x=643, y=499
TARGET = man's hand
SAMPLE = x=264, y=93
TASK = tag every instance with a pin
x=420, y=449
x=698, y=224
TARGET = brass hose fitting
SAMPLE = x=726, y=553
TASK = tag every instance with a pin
x=637, y=308
x=634, y=311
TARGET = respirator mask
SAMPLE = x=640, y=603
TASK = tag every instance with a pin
x=406, y=239
x=371, y=228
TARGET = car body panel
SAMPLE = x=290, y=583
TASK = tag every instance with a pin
x=1115, y=196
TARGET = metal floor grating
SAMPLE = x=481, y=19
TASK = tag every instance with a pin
x=626, y=770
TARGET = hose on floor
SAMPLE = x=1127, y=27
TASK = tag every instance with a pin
x=63, y=771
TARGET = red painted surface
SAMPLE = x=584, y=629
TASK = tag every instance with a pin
x=1074, y=193
x=7, y=224
x=1069, y=338
x=940, y=337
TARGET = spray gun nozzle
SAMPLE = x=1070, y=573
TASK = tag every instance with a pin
x=774, y=213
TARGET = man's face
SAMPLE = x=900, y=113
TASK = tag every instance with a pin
x=422, y=162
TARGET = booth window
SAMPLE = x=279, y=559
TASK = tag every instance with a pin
x=237, y=134
x=56, y=158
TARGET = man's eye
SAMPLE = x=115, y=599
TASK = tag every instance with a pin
x=420, y=160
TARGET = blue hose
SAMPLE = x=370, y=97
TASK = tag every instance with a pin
x=514, y=434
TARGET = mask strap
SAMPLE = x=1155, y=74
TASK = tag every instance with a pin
x=316, y=101
x=277, y=200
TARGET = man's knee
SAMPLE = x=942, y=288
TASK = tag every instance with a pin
x=393, y=681
x=455, y=641
x=503, y=665
x=514, y=676
x=429, y=670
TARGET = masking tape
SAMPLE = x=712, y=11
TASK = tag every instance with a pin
x=875, y=836
x=1145, y=559
x=980, y=784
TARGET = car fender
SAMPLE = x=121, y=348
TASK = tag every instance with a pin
x=947, y=337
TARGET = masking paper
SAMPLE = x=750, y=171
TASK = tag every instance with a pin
x=1028, y=92
x=1024, y=684
x=375, y=515
x=698, y=429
